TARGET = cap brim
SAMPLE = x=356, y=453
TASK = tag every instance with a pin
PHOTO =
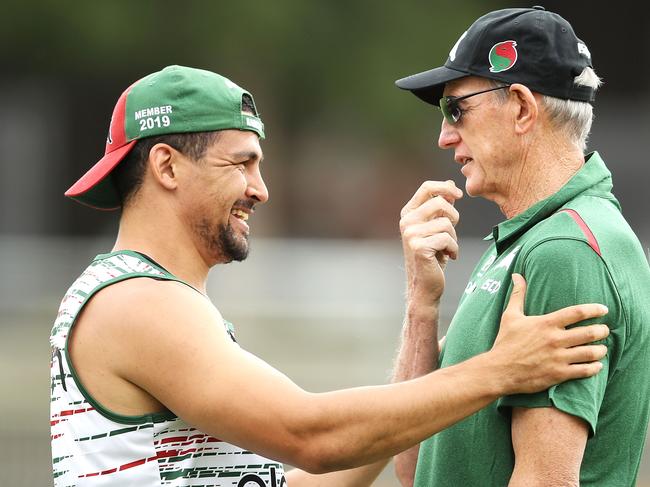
x=429, y=85
x=95, y=189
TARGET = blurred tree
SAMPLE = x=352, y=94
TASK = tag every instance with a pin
x=322, y=74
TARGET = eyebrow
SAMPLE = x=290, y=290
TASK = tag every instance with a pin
x=247, y=155
x=457, y=95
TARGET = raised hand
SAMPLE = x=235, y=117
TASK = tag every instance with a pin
x=428, y=237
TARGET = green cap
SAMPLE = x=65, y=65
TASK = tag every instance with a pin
x=174, y=100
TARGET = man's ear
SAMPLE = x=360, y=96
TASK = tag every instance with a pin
x=527, y=108
x=162, y=163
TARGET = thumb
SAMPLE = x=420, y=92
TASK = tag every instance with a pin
x=516, y=302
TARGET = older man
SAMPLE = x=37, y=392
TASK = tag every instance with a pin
x=516, y=94
x=149, y=387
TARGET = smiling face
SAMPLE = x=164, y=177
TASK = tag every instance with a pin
x=220, y=192
x=483, y=140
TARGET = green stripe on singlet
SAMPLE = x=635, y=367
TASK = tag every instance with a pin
x=178, y=474
x=58, y=474
x=116, y=432
x=58, y=459
x=123, y=430
x=179, y=458
x=229, y=474
x=113, y=265
x=57, y=328
x=76, y=403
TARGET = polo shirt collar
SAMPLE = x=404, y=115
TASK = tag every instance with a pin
x=593, y=176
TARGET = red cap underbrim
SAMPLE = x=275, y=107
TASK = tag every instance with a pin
x=95, y=188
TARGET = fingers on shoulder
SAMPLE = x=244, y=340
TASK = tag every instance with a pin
x=585, y=334
x=586, y=353
x=577, y=313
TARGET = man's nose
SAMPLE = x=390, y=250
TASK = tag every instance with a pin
x=449, y=136
x=256, y=188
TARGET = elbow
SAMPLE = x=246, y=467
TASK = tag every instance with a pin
x=305, y=458
x=404, y=473
x=317, y=446
x=405, y=464
x=316, y=456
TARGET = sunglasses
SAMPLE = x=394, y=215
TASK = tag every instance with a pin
x=450, y=106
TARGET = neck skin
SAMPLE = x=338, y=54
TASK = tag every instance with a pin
x=542, y=167
x=159, y=234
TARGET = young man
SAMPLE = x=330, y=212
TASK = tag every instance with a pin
x=149, y=387
x=516, y=96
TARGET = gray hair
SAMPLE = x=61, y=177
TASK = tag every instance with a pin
x=573, y=117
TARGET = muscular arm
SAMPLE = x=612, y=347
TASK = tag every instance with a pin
x=429, y=240
x=197, y=372
x=176, y=349
x=356, y=477
x=404, y=370
x=548, y=445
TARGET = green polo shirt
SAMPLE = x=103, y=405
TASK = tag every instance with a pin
x=573, y=247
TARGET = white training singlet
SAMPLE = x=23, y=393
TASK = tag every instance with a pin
x=92, y=446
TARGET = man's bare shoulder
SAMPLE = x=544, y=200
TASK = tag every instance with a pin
x=143, y=302
x=135, y=338
x=137, y=319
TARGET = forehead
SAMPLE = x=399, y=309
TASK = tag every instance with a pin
x=236, y=142
x=465, y=85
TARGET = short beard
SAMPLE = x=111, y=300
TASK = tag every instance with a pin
x=224, y=244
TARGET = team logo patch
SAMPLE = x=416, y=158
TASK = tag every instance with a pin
x=503, y=56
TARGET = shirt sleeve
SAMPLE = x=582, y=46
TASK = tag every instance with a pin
x=561, y=273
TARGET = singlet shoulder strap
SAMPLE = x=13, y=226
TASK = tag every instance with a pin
x=168, y=276
x=162, y=275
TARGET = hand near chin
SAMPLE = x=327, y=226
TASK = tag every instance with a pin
x=429, y=238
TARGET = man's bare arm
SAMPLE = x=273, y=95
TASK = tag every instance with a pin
x=165, y=344
x=429, y=240
x=549, y=445
x=178, y=351
x=356, y=477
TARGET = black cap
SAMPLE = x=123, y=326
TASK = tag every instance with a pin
x=530, y=46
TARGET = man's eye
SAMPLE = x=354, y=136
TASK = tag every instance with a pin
x=458, y=113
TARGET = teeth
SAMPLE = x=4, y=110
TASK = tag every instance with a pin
x=242, y=215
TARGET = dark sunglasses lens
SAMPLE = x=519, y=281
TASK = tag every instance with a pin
x=450, y=110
